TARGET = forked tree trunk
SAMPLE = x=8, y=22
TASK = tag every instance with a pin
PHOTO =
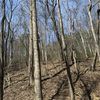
x=57, y=35
x=52, y=14
x=96, y=54
x=37, y=69
x=64, y=48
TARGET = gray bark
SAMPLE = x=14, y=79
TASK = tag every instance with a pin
x=71, y=88
x=92, y=29
x=37, y=69
x=30, y=59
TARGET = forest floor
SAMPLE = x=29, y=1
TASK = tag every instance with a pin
x=55, y=86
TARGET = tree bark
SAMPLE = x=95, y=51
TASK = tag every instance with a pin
x=92, y=29
x=2, y=51
x=84, y=46
x=71, y=87
x=37, y=69
x=30, y=59
x=44, y=38
x=52, y=15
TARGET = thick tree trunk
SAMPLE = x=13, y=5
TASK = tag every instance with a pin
x=30, y=62
x=30, y=59
x=37, y=69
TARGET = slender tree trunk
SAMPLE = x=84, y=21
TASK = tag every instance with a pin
x=45, y=51
x=84, y=46
x=57, y=35
x=2, y=50
x=11, y=49
x=43, y=47
x=6, y=46
x=89, y=44
x=52, y=14
x=95, y=58
x=71, y=87
x=98, y=24
x=9, y=64
x=37, y=69
x=74, y=60
x=93, y=31
x=90, y=49
x=5, y=54
x=94, y=63
x=11, y=37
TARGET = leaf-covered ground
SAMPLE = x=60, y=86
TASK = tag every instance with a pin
x=55, y=86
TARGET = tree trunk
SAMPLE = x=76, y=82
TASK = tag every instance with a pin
x=71, y=88
x=84, y=46
x=30, y=59
x=94, y=63
x=44, y=39
x=37, y=69
x=93, y=31
x=2, y=50
x=52, y=14
x=95, y=57
x=74, y=60
x=98, y=23
x=57, y=35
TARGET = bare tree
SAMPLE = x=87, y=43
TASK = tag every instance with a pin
x=44, y=34
x=2, y=50
x=30, y=59
x=83, y=42
x=65, y=54
x=53, y=19
x=98, y=23
x=37, y=69
x=97, y=52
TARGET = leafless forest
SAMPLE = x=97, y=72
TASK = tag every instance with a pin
x=49, y=49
